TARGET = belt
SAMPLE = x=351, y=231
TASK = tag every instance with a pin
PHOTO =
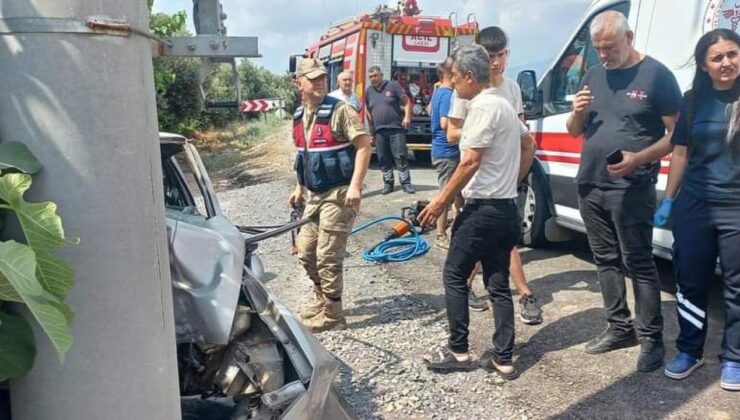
x=489, y=201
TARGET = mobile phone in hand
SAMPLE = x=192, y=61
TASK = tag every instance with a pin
x=614, y=157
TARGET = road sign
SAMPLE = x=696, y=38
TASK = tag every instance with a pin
x=257, y=105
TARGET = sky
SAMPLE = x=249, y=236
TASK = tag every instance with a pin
x=537, y=29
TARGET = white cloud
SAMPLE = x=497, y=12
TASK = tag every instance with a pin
x=537, y=28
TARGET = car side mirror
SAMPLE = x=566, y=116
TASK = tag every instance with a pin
x=531, y=95
x=292, y=64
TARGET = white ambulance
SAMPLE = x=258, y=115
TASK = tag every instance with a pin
x=667, y=30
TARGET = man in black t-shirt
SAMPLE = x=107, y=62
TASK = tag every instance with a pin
x=383, y=102
x=628, y=104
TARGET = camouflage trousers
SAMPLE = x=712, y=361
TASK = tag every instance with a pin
x=322, y=242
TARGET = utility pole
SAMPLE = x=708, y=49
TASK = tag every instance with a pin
x=77, y=88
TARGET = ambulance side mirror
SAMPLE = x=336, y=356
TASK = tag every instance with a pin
x=531, y=95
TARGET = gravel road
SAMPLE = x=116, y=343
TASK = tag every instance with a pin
x=396, y=314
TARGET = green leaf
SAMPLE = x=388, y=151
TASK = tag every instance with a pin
x=17, y=346
x=18, y=269
x=63, y=308
x=40, y=223
x=54, y=274
x=18, y=265
x=17, y=156
x=7, y=291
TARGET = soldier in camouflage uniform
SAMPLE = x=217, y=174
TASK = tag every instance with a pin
x=332, y=156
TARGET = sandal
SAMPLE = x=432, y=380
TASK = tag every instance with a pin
x=443, y=361
x=490, y=363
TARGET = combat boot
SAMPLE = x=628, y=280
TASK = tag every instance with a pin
x=315, y=307
x=331, y=318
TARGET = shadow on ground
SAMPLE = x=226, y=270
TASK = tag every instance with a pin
x=393, y=309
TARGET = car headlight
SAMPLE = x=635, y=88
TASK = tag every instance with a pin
x=418, y=109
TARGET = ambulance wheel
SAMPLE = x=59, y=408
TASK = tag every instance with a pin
x=534, y=208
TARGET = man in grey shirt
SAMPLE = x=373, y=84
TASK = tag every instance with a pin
x=488, y=225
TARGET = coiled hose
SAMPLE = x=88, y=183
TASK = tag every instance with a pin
x=394, y=250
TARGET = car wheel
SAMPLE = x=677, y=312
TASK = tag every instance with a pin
x=534, y=208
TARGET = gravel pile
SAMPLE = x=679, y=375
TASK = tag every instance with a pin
x=389, y=327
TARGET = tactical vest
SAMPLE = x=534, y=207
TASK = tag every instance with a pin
x=323, y=162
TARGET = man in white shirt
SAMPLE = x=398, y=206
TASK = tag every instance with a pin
x=494, y=40
x=345, y=92
x=489, y=224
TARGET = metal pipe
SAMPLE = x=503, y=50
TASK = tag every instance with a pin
x=84, y=105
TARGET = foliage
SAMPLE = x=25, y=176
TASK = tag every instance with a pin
x=29, y=272
x=179, y=99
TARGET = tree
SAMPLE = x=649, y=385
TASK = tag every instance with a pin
x=179, y=100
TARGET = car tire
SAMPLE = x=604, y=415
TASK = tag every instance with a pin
x=534, y=207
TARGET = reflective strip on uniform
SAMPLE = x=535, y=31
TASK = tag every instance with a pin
x=690, y=306
x=685, y=315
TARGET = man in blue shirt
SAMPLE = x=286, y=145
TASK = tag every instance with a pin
x=445, y=154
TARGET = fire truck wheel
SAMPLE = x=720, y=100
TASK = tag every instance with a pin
x=534, y=207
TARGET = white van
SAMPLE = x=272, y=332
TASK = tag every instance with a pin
x=667, y=30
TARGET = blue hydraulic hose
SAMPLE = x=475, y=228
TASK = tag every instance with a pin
x=410, y=246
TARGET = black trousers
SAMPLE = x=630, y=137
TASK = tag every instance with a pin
x=390, y=145
x=620, y=234
x=486, y=233
x=702, y=232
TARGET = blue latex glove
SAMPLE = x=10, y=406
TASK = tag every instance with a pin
x=663, y=213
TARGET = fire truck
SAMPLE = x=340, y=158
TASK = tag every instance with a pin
x=405, y=45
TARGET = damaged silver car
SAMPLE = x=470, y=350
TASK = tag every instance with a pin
x=236, y=342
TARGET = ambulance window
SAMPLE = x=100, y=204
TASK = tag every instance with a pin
x=569, y=71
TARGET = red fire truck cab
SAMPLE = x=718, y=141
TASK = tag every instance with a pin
x=406, y=48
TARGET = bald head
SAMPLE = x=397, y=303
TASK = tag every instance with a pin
x=612, y=40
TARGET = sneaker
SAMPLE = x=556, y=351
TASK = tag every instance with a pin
x=730, y=376
x=477, y=303
x=608, y=341
x=408, y=189
x=682, y=366
x=387, y=189
x=652, y=354
x=442, y=242
x=530, y=313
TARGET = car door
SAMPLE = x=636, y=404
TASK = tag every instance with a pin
x=206, y=251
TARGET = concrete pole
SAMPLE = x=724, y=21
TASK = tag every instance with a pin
x=84, y=104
